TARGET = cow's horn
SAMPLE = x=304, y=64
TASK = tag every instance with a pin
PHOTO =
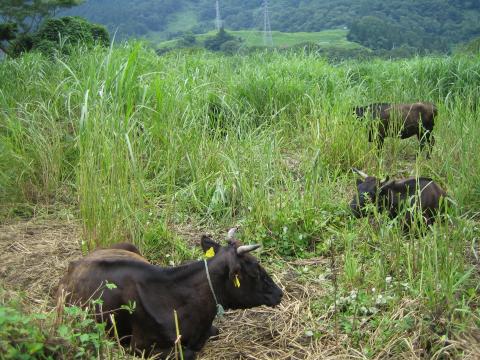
x=359, y=172
x=247, y=248
x=231, y=233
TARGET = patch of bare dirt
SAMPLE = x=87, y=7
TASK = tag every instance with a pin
x=34, y=255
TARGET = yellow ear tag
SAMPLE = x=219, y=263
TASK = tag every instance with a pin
x=236, y=281
x=210, y=253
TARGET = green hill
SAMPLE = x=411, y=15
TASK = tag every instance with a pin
x=423, y=23
x=327, y=38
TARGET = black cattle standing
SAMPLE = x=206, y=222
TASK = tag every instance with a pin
x=237, y=280
x=392, y=195
x=404, y=120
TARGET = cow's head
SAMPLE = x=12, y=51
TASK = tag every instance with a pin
x=246, y=283
x=369, y=190
x=375, y=110
x=359, y=111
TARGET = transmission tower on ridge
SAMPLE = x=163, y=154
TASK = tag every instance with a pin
x=218, y=19
x=267, y=31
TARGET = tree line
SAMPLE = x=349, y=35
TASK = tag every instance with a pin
x=27, y=25
x=395, y=28
x=378, y=24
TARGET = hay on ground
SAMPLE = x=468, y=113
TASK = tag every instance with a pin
x=34, y=256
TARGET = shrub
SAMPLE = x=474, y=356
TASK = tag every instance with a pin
x=22, y=44
x=188, y=39
x=230, y=46
x=222, y=38
x=36, y=335
x=63, y=33
x=8, y=31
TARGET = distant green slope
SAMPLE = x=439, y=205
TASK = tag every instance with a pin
x=328, y=38
x=424, y=21
x=177, y=21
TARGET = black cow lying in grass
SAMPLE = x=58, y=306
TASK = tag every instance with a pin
x=403, y=120
x=237, y=282
x=392, y=195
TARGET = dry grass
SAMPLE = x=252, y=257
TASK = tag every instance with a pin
x=278, y=333
x=470, y=344
x=34, y=255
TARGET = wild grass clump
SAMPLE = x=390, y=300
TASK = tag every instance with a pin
x=29, y=335
x=142, y=146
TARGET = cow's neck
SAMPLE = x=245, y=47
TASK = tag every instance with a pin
x=189, y=293
x=217, y=270
x=194, y=275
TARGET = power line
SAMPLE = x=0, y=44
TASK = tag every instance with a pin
x=218, y=18
x=267, y=30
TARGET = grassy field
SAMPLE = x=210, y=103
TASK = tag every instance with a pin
x=327, y=38
x=265, y=142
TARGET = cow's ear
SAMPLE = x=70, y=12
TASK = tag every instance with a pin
x=234, y=268
x=207, y=243
x=359, y=181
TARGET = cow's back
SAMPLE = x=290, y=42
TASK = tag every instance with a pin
x=88, y=278
x=412, y=113
x=115, y=254
x=126, y=246
x=430, y=192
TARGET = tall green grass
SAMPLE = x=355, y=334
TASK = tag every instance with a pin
x=142, y=145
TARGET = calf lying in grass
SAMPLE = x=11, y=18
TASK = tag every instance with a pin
x=144, y=296
x=392, y=195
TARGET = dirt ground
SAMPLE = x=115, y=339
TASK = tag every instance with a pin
x=35, y=254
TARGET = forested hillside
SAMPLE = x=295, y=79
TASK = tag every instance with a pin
x=417, y=23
